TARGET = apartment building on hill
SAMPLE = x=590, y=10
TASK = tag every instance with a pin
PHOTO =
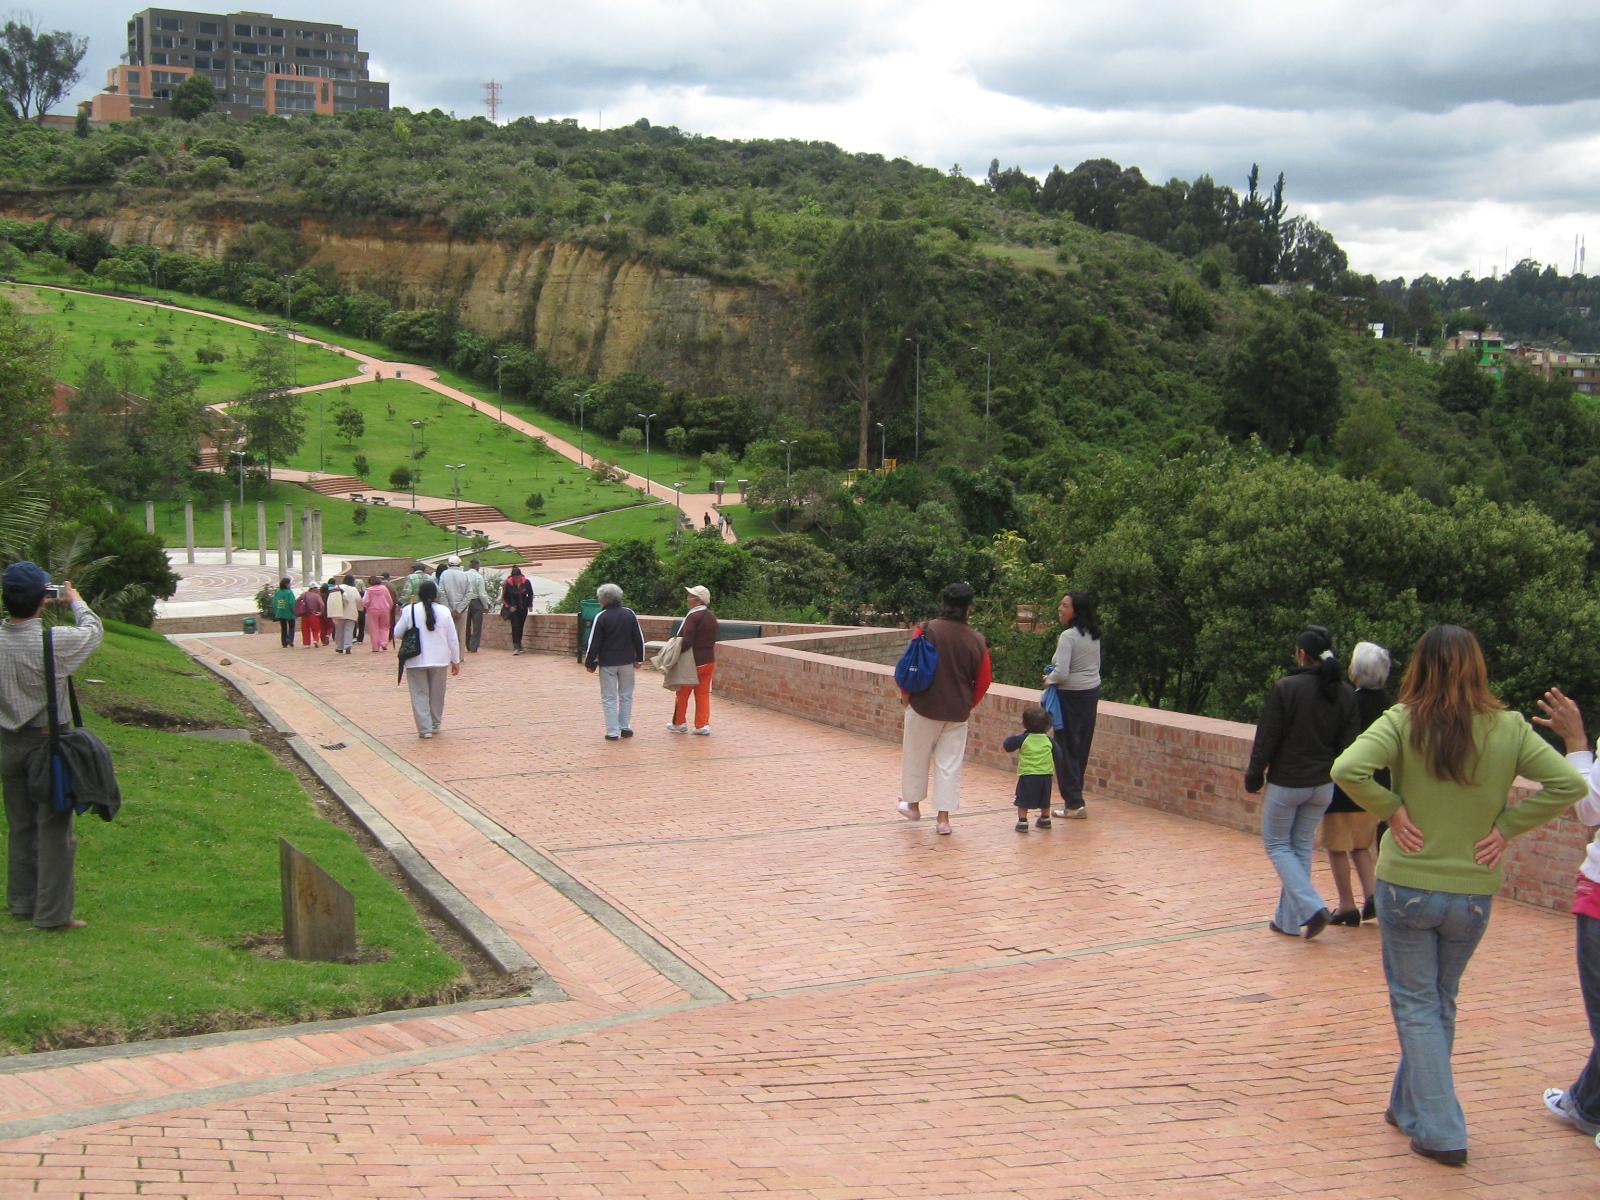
x=260, y=65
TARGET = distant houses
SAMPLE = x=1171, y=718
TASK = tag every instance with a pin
x=1493, y=353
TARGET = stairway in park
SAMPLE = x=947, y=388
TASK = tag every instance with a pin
x=337, y=485
x=469, y=515
x=566, y=551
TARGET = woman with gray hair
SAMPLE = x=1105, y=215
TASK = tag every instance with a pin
x=616, y=650
x=1350, y=832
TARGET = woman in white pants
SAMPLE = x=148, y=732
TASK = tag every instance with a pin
x=441, y=652
x=935, y=732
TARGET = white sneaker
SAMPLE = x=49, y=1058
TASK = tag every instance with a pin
x=684, y=728
x=1072, y=814
x=703, y=731
x=1555, y=1099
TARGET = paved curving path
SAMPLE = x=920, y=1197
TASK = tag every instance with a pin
x=371, y=368
x=761, y=982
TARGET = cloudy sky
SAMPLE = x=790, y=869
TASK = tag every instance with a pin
x=1426, y=137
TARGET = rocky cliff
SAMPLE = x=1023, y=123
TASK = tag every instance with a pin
x=591, y=313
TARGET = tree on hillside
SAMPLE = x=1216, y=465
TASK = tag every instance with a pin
x=37, y=69
x=1284, y=384
x=26, y=386
x=347, y=419
x=274, y=420
x=863, y=296
x=194, y=97
x=97, y=432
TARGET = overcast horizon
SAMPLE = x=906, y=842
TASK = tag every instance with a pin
x=1425, y=140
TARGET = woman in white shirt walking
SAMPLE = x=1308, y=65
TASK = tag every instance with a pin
x=441, y=651
x=1075, y=674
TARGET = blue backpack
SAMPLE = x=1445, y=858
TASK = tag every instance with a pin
x=914, y=672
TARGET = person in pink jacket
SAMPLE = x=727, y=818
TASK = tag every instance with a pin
x=380, y=606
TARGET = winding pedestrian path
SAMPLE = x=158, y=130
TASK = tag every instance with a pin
x=372, y=368
x=756, y=980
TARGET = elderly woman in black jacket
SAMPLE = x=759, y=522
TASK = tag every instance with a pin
x=1309, y=719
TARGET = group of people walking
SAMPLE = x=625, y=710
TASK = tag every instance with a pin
x=1438, y=767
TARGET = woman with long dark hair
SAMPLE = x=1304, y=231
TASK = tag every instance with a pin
x=1453, y=751
x=441, y=650
x=1309, y=718
x=1075, y=674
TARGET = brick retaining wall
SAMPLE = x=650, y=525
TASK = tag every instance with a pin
x=1181, y=764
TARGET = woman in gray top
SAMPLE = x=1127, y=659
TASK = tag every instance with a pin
x=1075, y=674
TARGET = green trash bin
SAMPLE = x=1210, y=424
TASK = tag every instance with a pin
x=249, y=624
x=588, y=610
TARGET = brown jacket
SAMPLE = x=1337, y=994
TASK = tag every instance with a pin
x=699, y=633
x=963, y=667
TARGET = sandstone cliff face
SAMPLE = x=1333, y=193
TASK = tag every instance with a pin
x=589, y=312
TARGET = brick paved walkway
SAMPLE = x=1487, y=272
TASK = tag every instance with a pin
x=764, y=983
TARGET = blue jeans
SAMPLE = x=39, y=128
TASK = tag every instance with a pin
x=1584, y=1095
x=1289, y=818
x=1428, y=939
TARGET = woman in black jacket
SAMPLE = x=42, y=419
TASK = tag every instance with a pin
x=1309, y=719
x=516, y=600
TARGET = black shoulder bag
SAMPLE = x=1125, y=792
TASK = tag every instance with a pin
x=410, y=646
x=65, y=796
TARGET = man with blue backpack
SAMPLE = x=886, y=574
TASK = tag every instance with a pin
x=943, y=674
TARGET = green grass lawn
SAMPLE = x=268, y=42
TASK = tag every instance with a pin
x=502, y=466
x=211, y=304
x=748, y=523
x=86, y=326
x=388, y=531
x=653, y=522
x=186, y=874
x=665, y=467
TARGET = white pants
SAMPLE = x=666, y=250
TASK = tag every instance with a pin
x=616, y=698
x=942, y=742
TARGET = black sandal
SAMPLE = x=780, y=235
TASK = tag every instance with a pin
x=1022, y=825
x=1043, y=822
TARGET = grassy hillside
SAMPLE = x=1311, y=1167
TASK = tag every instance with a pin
x=186, y=878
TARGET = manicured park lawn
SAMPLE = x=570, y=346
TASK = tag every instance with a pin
x=85, y=328
x=653, y=522
x=502, y=468
x=388, y=531
x=664, y=466
x=187, y=872
x=748, y=523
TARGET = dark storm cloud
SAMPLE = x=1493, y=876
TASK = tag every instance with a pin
x=1178, y=56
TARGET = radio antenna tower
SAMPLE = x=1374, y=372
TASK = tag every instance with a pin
x=491, y=101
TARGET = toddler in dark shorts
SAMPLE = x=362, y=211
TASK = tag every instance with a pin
x=1036, y=751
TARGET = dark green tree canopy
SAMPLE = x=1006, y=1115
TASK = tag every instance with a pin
x=38, y=68
x=194, y=97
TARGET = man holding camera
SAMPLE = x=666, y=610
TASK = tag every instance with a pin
x=39, y=874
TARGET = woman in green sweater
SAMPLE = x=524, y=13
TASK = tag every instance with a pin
x=1453, y=752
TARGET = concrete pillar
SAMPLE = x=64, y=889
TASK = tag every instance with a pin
x=188, y=529
x=316, y=542
x=305, y=549
x=261, y=529
x=227, y=531
x=149, y=516
x=283, y=550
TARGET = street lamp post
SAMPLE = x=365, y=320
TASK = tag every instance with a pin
x=582, y=398
x=499, y=396
x=646, y=418
x=322, y=457
x=916, y=420
x=415, y=425
x=288, y=323
x=883, y=447
x=788, y=478
x=455, y=520
x=239, y=454
x=988, y=380
x=677, y=528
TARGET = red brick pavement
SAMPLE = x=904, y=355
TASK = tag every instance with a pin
x=1097, y=1011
